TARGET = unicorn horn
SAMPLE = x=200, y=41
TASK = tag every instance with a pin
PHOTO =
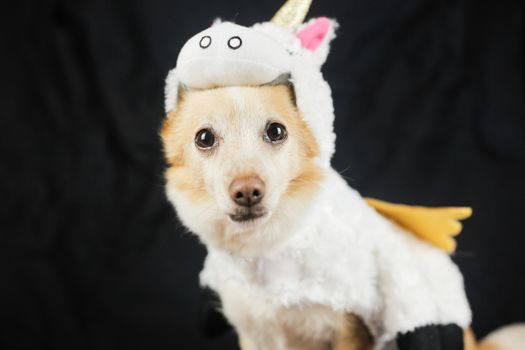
x=292, y=13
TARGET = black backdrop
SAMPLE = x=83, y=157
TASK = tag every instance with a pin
x=429, y=97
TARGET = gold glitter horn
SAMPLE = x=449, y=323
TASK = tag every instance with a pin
x=292, y=13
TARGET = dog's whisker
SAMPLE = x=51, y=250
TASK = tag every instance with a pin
x=346, y=177
x=341, y=172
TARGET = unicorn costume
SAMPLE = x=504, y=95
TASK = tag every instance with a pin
x=345, y=255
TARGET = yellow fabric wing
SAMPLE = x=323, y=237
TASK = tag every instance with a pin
x=437, y=226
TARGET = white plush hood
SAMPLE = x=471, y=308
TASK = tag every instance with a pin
x=228, y=54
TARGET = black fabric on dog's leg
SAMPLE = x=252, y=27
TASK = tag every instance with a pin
x=422, y=338
x=451, y=337
x=435, y=337
x=211, y=320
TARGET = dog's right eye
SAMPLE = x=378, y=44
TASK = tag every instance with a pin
x=275, y=133
x=205, y=139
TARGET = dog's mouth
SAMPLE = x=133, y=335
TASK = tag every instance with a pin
x=247, y=215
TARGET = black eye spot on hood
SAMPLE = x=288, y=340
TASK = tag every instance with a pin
x=205, y=42
x=234, y=42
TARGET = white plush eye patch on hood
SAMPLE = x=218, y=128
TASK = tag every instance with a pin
x=228, y=54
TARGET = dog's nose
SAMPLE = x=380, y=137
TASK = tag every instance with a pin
x=247, y=191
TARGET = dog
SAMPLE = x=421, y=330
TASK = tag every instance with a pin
x=242, y=171
x=241, y=174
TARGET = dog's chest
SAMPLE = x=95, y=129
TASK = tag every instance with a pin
x=305, y=326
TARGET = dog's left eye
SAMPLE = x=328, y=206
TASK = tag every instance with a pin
x=205, y=139
x=275, y=133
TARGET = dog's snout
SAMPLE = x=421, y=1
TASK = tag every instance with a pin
x=247, y=191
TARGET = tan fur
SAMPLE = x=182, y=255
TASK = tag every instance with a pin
x=470, y=340
x=175, y=134
x=307, y=180
x=280, y=98
x=472, y=344
x=488, y=346
x=353, y=335
x=178, y=133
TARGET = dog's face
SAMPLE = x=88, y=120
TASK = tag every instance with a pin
x=242, y=165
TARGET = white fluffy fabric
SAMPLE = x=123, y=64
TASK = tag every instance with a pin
x=343, y=254
x=347, y=256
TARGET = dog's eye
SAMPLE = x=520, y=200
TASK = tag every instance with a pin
x=205, y=139
x=275, y=133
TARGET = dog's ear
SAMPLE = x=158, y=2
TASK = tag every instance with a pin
x=316, y=36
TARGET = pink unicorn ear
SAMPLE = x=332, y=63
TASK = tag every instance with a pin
x=314, y=34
